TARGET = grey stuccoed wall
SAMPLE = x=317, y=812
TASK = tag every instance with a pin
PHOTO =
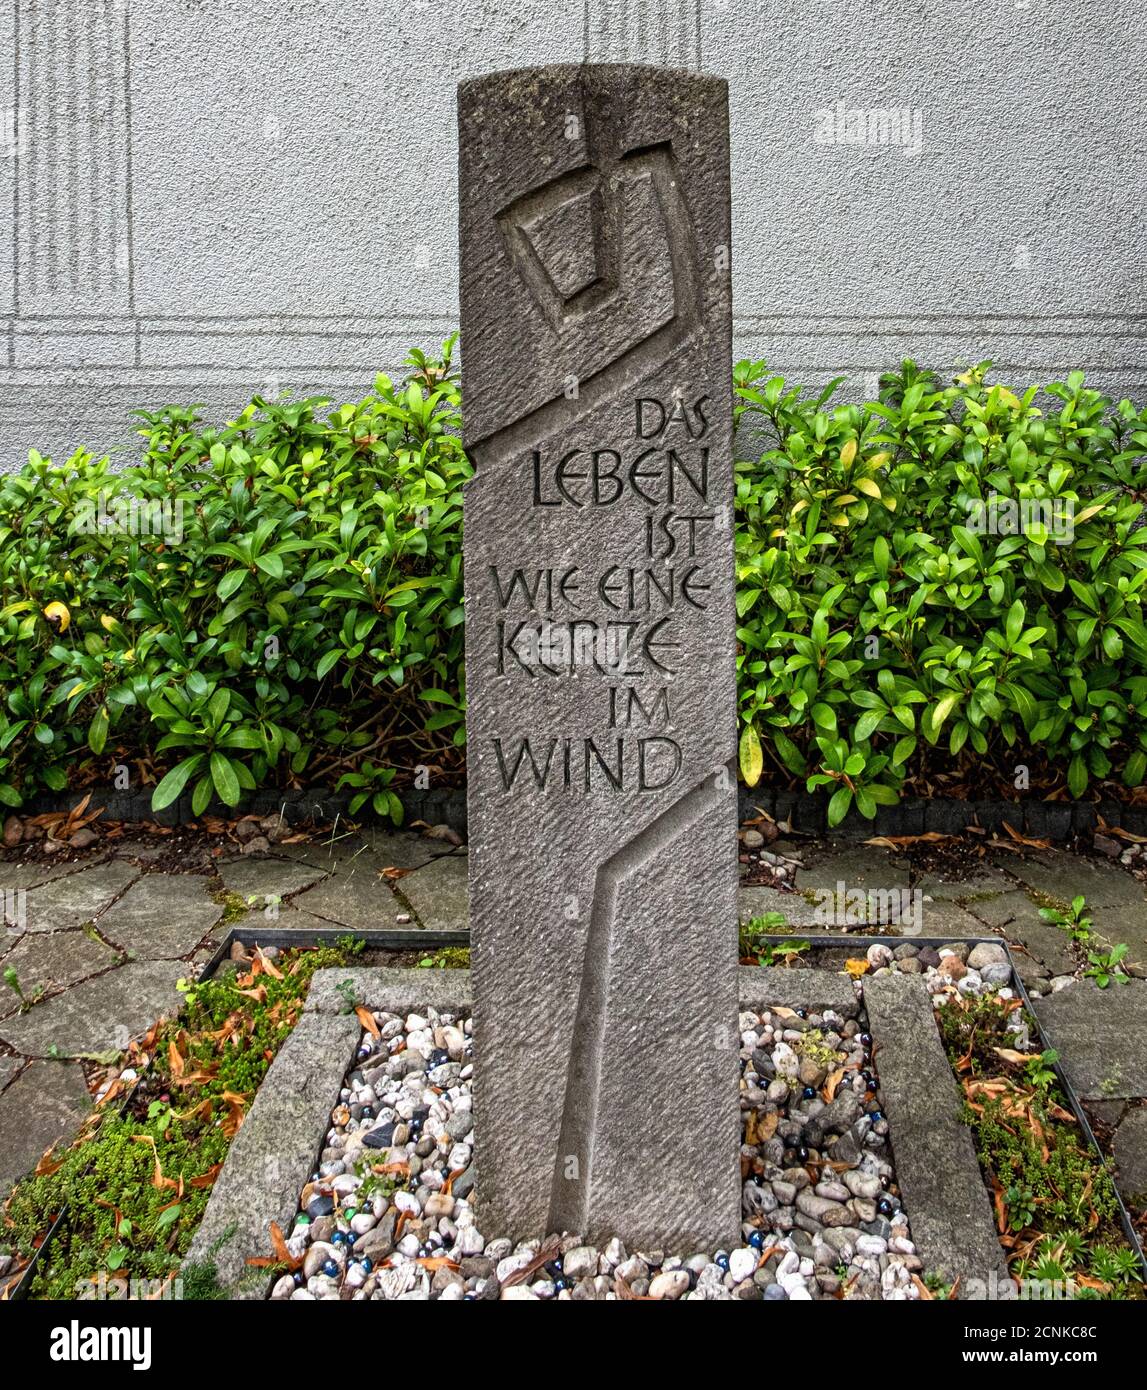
x=212, y=197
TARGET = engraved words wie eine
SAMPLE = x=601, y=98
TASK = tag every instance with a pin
x=622, y=620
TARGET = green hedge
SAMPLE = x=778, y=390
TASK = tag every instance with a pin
x=907, y=613
x=295, y=615
x=284, y=604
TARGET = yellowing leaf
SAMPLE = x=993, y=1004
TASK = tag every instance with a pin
x=58, y=615
x=751, y=757
x=856, y=968
x=867, y=486
x=1009, y=1054
x=848, y=453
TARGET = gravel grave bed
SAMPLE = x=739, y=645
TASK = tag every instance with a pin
x=390, y=1213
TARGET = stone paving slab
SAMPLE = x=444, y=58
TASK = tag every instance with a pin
x=758, y=987
x=97, y=1015
x=356, y=896
x=162, y=916
x=388, y=990
x=274, y=1152
x=984, y=881
x=289, y=918
x=755, y=900
x=268, y=876
x=407, y=850
x=1130, y=1152
x=56, y=958
x=72, y=900
x=9, y=1066
x=1101, y=1037
x=944, y=918
x=1017, y=917
x=949, y=1211
x=32, y=872
x=439, y=893
x=46, y=1103
x=856, y=866
x=1064, y=876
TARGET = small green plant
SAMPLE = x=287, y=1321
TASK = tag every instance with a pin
x=350, y=995
x=1040, y=1071
x=937, y=1285
x=12, y=980
x=1103, y=966
x=752, y=947
x=1073, y=921
x=1119, y=1268
x=447, y=958
x=1020, y=1202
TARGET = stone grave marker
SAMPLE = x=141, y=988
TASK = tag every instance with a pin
x=596, y=329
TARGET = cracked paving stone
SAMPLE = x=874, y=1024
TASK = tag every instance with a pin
x=162, y=916
x=32, y=872
x=78, y=898
x=46, y=1103
x=440, y=894
x=354, y=895
x=9, y=1066
x=61, y=958
x=982, y=882
x=100, y=1014
x=856, y=867
x=1017, y=917
x=1063, y=876
x=287, y=918
x=270, y=877
x=755, y=900
x=949, y=919
x=1099, y=1036
x=405, y=850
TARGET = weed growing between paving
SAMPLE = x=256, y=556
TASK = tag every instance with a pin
x=1054, y=1199
x=754, y=949
x=136, y=1183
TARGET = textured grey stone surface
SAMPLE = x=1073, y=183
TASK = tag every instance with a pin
x=594, y=207
x=936, y=1166
x=355, y=895
x=1100, y=1037
x=845, y=257
x=56, y=958
x=385, y=988
x=439, y=893
x=259, y=876
x=162, y=916
x=1130, y=1151
x=77, y=898
x=9, y=1066
x=99, y=1014
x=759, y=987
x=45, y=1103
x=388, y=990
x=274, y=1152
